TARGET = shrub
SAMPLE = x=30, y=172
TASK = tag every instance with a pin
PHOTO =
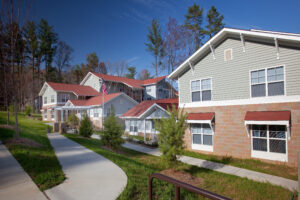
x=28, y=110
x=11, y=108
x=111, y=135
x=73, y=121
x=170, y=138
x=86, y=127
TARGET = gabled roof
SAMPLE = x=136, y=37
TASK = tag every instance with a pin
x=79, y=90
x=142, y=107
x=97, y=100
x=259, y=35
x=127, y=81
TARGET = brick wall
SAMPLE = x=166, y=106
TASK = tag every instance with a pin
x=231, y=137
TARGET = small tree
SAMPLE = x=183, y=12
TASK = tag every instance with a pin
x=73, y=121
x=28, y=110
x=86, y=127
x=170, y=138
x=112, y=133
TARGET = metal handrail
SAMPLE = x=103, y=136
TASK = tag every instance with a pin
x=179, y=184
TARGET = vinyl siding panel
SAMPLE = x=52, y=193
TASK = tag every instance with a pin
x=93, y=81
x=48, y=93
x=231, y=79
x=121, y=105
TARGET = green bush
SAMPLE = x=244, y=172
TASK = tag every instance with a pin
x=73, y=121
x=28, y=110
x=86, y=127
x=170, y=138
x=111, y=135
x=11, y=108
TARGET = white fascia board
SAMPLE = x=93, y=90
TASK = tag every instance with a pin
x=86, y=77
x=250, y=122
x=222, y=33
x=41, y=93
x=154, y=105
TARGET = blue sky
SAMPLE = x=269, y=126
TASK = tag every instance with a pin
x=116, y=29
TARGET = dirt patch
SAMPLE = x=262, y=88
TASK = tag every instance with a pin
x=119, y=151
x=23, y=141
x=183, y=176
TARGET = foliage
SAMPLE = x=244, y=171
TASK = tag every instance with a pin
x=92, y=61
x=215, y=22
x=139, y=166
x=86, y=127
x=40, y=163
x=171, y=132
x=193, y=22
x=155, y=44
x=73, y=120
x=62, y=58
x=28, y=110
x=144, y=75
x=11, y=108
x=111, y=135
x=131, y=72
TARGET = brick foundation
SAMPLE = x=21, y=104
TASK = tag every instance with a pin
x=231, y=137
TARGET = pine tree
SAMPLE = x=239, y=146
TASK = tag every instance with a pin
x=86, y=127
x=111, y=135
x=193, y=22
x=170, y=138
x=155, y=44
x=215, y=22
x=131, y=72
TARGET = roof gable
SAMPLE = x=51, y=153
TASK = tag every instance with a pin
x=79, y=90
x=258, y=35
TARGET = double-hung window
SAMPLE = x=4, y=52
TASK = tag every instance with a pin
x=96, y=112
x=45, y=100
x=133, y=126
x=269, y=141
x=52, y=98
x=202, y=137
x=267, y=82
x=65, y=97
x=45, y=114
x=201, y=90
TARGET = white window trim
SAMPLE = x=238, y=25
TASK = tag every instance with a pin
x=267, y=82
x=270, y=155
x=202, y=147
x=52, y=99
x=45, y=102
x=231, y=50
x=211, y=89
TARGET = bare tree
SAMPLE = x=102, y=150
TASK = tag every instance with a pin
x=117, y=68
x=62, y=58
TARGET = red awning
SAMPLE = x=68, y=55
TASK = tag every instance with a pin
x=200, y=116
x=268, y=116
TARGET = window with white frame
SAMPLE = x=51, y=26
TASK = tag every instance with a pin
x=202, y=134
x=45, y=100
x=267, y=82
x=96, y=112
x=201, y=90
x=65, y=97
x=52, y=114
x=133, y=126
x=52, y=99
x=148, y=89
x=269, y=138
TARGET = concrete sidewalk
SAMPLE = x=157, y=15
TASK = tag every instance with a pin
x=227, y=169
x=89, y=175
x=15, y=184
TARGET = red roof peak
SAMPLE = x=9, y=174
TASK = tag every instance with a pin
x=80, y=90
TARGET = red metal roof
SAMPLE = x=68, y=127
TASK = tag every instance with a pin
x=128, y=81
x=95, y=100
x=79, y=90
x=139, y=109
x=268, y=116
x=201, y=116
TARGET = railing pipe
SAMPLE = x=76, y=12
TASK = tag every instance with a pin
x=179, y=184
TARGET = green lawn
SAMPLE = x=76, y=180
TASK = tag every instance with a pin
x=40, y=163
x=252, y=164
x=139, y=166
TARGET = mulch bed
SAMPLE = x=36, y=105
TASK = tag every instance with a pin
x=22, y=141
x=183, y=176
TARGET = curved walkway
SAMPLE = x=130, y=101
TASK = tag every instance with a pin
x=89, y=175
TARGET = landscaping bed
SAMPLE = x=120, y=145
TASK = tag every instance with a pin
x=139, y=167
x=33, y=151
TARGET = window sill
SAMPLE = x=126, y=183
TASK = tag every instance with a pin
x=269, y=156
x=202, y=147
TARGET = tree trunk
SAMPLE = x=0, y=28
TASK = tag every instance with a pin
x=16, y=135
x=156, y=66
x=32, y=92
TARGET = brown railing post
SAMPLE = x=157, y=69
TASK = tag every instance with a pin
x=177, y=192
